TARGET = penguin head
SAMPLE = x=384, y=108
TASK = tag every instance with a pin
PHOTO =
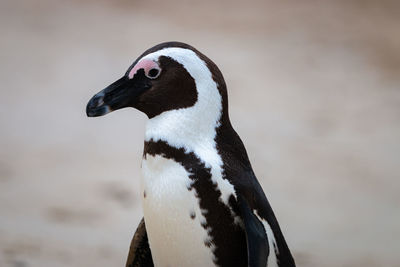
x=167, y=77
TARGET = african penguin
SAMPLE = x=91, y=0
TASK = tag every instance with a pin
x=202, y=203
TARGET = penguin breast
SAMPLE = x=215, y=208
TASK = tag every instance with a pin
x=173, y=216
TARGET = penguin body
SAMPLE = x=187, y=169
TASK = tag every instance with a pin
x=202, y=203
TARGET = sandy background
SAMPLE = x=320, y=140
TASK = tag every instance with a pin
x=314, y=93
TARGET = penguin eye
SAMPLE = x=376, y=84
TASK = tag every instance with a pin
x=153, y=73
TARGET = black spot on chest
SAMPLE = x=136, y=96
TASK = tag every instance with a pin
x=192, y=215
x=227, y=238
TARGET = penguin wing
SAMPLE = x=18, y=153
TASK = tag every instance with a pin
x=139, y=251
x=255, y=209
x=256, y=237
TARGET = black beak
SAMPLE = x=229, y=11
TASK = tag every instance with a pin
x=120, y=94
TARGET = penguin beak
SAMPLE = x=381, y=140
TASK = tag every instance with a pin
x=120, y=94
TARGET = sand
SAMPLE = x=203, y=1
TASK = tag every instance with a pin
x=314, y=93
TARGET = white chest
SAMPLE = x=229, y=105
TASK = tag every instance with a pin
x=172, y=215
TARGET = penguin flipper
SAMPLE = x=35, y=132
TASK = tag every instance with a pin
x=139, y=251
x=256, y=237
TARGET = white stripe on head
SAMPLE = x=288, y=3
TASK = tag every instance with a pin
x=193, y=128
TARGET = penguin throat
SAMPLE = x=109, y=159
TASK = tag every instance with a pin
x=186, y=128
x=191, y=127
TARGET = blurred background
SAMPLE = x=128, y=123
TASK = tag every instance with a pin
x=314, y=92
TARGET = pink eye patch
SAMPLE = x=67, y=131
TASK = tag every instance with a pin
x=146, y=65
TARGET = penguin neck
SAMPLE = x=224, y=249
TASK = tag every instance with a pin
x=191, y=127
x=185, y=128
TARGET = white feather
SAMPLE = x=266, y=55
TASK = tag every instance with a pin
x=175, y=238
x=272, y=259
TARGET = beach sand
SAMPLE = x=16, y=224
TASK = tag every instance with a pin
x=314, y=89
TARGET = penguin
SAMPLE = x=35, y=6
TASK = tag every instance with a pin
x=202, y=203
